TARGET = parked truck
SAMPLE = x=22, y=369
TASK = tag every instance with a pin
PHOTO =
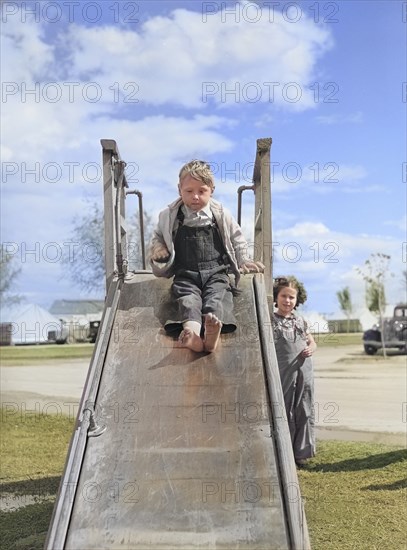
x=71, y=332
x=394, y=332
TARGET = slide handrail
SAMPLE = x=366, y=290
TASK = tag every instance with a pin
x=262, y=209
x=84, y=426
x=294, y=506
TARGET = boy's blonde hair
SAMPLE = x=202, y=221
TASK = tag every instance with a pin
x=200, y=170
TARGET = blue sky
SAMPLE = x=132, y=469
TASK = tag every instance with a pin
x=171, y=81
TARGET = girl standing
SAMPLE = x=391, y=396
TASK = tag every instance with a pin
x=294, y=347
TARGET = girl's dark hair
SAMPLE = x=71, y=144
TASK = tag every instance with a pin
x=289, y=281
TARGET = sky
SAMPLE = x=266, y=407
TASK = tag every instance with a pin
x=176, y=80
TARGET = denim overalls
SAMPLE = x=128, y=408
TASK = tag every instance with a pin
x=201, y=282
x=297, y=381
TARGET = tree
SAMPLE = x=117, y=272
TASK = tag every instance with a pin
x=345, y=303
x=133, y=238
x=374, y=274
x=375, y=297
x=85, y=261
x=8, y=275
x=404, y=282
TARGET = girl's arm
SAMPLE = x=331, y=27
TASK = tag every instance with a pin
x=311, y=346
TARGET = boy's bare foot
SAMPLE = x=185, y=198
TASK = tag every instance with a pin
x=189, y=339
x=213, y=327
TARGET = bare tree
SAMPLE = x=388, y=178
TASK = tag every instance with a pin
x=345, y=303
x=8, y=275
x=85, y=263
x=374, y=273
x=404, y=282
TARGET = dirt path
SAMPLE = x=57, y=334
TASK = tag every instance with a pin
x=358, y=397
x=52, y=388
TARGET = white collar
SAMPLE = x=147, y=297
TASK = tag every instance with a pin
x=206, y=210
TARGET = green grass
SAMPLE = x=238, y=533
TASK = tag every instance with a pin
x=33, y=449
x=335, y=339
x=32, y=444
x=355, y=493
x=23, y=355
x=355, y=496
x=26, y=528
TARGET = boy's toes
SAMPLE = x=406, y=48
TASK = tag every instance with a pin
x=184, y=336
x=212, y=321
x=189, y=339
x=213, y=327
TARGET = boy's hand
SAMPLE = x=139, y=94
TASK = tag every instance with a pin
x=252, y=267
x=159, y=253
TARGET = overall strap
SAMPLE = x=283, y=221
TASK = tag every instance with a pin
x=180, y=216
x=180, y=222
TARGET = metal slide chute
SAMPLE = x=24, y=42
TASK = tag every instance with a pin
x=191, y=450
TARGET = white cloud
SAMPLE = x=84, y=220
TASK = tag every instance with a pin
x=346, y=245
x=354, y=118
x=304, y=229
x=350, y=173
x=326, y=260
x=148, y=82
x=202, y=61
x=154, y=148
x=165, y=61
x=399, y=224
x=29, y=54
x=321, y=177
x=5, y=153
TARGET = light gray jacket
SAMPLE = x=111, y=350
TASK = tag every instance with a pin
x=230, y=232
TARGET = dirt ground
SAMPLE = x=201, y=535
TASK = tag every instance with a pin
x=357, y=397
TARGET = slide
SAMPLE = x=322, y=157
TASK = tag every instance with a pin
x=174, y=449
